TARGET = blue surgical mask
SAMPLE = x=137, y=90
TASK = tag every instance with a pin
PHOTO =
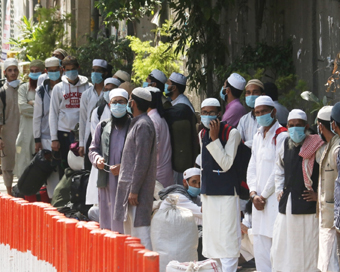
x=96, y=77
x=128, y=108
x=34, y=76
x=265, y=120
x=222, y=95
x=166, y=86
x=206, y=119
x=54, y=76
x=250, y=100
x=72, y=75
x=14, y=83
x=145, y=84
x=193, y=191
x=297, y=134
x=118, y=110
x=106, y=96
x=332, y=130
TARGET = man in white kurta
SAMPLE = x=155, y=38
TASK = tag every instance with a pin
x=89, y=100
x=260, y=179
x=219, y=185
x=296, y=183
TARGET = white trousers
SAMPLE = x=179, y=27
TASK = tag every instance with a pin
x=143, y=233
x=262, y=246
x=53, y=179
x=229, y=264
x=328, y=259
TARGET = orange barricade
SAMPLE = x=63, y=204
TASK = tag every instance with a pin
x=38, y=229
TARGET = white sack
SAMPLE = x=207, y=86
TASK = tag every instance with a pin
x=206, y=266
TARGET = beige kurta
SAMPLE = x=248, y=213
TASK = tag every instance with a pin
x=25, y=140
x=10, y=130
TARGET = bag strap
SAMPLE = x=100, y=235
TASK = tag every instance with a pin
x=3, y=99
x=277, y=132
x=100, y=110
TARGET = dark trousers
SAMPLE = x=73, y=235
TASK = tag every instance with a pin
x=65, y=139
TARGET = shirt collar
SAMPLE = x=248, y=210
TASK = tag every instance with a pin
x=237, y=100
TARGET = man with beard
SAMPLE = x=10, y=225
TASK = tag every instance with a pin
x=137, y=177
x=25, y=147
x=296, y=184
x=105, y=154
x=175, y=89
x=9, y=120
x=328, y=259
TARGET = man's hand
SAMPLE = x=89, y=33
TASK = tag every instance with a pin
x=31, y=102
x=244, y=229
x=310, y=195
x=214, y=129
x=81, y=151
x=133, y=199
x=115, y=169
x=55, y=145
x=38, y=146
x=259, y=202
x=279, y=196
x=100, y=163
x=2, y=144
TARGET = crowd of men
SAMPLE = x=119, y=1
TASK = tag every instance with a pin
x=290, y=221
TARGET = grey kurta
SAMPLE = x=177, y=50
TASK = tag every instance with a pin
x=138, y=171
x=25, y=140
x=10, y=130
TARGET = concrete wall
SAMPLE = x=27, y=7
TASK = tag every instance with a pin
x=312, y=25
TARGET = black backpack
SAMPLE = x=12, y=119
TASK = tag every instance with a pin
x=78, y=187
x=184, y=141
x=36, y=173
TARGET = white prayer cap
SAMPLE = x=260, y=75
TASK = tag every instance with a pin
x=142, y=93
x=118, y=92
x=52, y=62
x=325, y=113
x=100, y=63
x=198, y=160
x=159, y=75
x=123, y=75
x=191, y=172
x=297, y=114
x=178, y=78
x=255, y=82
x=111, y=80
x=153, y=89
x=212, y=102
x=10, y=62
x=237, y=81
x=264, y=100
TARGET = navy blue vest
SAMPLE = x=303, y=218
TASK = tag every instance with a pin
x=294, y=182
x=214, y=180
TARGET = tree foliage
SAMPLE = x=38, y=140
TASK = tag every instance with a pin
x=39, y=40
x=118, y=10
x=117, y=53
x=149, y=57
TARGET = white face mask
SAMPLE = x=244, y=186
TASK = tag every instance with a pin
x=14, y=83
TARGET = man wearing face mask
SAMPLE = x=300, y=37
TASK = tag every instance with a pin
x=260, y=178
x=41, y=128
x=88, y=102
x=64, y=109
x=60, y=54
x=230, y=93
x=9, y=120
x=25, y=140
x=219, y=190
x=328, y=259
x=296, y=186
x=158, y=79
x=137, y=176
x=100, y=113
x=175, y=88
x=105, y=153
x=248, y=125
x=156, y=114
